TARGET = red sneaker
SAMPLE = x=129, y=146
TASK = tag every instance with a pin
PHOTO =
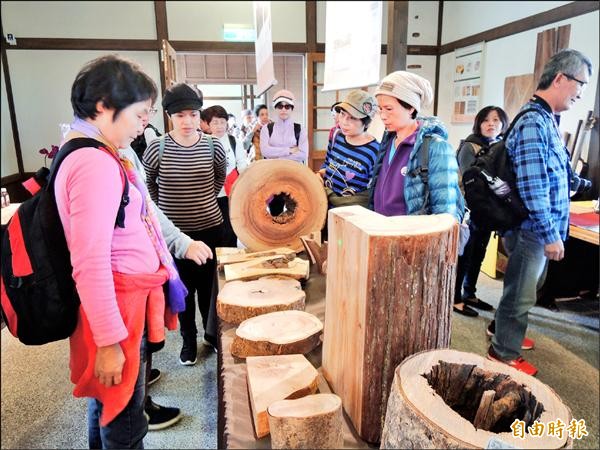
x=527, y=343
x=519, y=363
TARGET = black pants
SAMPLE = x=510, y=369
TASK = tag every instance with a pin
x=199, y=280
x=469, y=263
x=229, y=237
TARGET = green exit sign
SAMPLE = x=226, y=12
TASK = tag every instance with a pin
x=238, y=33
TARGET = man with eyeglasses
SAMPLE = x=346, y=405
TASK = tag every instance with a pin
x=543, y=176
x=150, y=133
x=284, y=139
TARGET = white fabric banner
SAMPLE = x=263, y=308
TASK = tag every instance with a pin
x=352, y=44
x=265, y=72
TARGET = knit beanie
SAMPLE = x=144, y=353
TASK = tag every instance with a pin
x=408, y=87
x=283, y=95
x=181, y=97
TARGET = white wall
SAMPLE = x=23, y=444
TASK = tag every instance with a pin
x=515, y=55
x=78, y=19
x=203, y=21
x=41, y=83
x=462, y=19
x=9, y=157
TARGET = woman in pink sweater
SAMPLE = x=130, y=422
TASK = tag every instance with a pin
x=119, y=263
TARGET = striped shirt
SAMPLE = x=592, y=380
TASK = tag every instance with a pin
x=349, y=168
x=186, y=184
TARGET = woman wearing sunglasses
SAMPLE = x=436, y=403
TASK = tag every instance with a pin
x=284, y=139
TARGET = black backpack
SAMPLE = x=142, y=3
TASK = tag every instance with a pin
x=297, y=128
x=491, y=190
x=139, y=144
x=39, y=300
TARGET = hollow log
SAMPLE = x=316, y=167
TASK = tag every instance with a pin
x=241, y=300
x=274, y=202
x=314, y=421
x=390, y=290
x=419, y=414
x=277, y=333
x=274, y=378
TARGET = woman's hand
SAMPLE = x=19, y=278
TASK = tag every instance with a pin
x=109, y=364
x=198, y=252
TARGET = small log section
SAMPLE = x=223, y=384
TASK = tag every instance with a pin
x=316, y=251
x=277, y=333
x=314, y=421
x=390, y=285
x=292, y=267
x=274, y=202
x=274, y=378
x=241, y=300
x=230, y=255
x=437, y=395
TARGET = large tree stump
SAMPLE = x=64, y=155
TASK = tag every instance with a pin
x=274, y=202
x=277, y=333
x=390, y=290
x=240, y=300
x=436, y=395
x=314, y=421
x=273, y=378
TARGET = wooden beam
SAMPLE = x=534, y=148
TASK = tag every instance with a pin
x=25, y=43
x=162, y=33
x=235, y=47
x=397, y=34
x=564, y=12
x=311, y=26
x=437, y=56
x=11, y=106
x=410, y=49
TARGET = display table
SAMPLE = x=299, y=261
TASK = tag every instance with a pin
x=583, y=222
x=236, y=429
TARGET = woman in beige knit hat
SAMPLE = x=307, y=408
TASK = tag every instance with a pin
x=399, y=185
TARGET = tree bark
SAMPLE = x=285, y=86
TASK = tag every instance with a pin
x=241, y=300
x=277, y=333
x=314, y=421
x=391, y=279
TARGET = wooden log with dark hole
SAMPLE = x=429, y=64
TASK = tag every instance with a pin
x=241, y=300
x=426, y=410
x=274, y=202
x=314, y=421
x=277, y=333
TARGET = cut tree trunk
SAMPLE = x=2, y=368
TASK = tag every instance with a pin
x=277, y=333
x=274, y=202
x=314, y=421
x=437, y=395
x=241, y=300
x=273, y=378
x=268, y=265
x=390, y=290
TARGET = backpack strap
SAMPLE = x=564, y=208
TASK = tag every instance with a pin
x=297, y=129
x=422, y=170
x=161, y=148
x=270, y=128
x=77, y=143
x=211, y=145
x=231, y=142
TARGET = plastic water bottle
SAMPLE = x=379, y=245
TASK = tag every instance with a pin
x=497, y=185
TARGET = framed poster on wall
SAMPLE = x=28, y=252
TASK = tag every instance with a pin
x=466, y=93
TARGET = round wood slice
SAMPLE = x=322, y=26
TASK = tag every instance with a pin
x=419, y=417
x=240, y=300
x=274, y=202
x=314, y=421
x=277, y=333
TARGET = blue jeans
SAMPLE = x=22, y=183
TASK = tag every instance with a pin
x=128, y=429
x=526, y=264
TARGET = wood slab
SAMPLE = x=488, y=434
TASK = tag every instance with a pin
x=273, y=378
x=518, y=90
x=390, y=291
x=274, y=202
x=241, y=300
x=296, y=268
x=277, y=333
x=418, y=416
x=314, y=421
x=316, y=251
x=225, y=256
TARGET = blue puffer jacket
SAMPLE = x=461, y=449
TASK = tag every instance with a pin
x=444, y=191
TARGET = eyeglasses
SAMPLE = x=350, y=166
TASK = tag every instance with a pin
x=152, y=112
x=572, y=78
x=280, y=106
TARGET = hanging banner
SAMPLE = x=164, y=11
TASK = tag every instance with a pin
x=468, y=70
x=263, y=47
x=352, y=44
